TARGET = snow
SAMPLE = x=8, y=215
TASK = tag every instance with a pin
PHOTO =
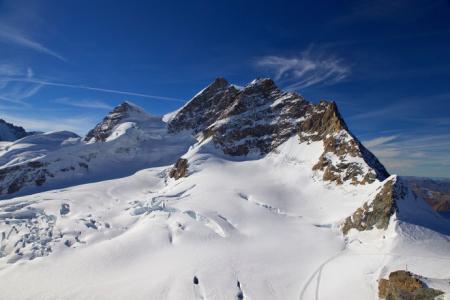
x=34, y=146
x=269, y=223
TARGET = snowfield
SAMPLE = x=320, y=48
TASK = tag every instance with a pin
x=146, y=236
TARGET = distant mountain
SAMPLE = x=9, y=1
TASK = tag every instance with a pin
x=125, y=113
x=10, y=132
x=436, y=191
x=242, y=193
x=127, y=140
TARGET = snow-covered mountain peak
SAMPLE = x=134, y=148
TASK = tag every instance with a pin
x=126, y=112
x=128, y=107
x=261, y=82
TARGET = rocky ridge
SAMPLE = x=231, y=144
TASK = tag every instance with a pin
x=259, y=117
x=376, y=213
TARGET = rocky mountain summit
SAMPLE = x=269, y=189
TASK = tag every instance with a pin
x=125, y=112
x=258, y=118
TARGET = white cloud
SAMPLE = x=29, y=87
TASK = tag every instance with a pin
x=305, y=70
x=11, y=36
x=85, y=103
x=17, y=93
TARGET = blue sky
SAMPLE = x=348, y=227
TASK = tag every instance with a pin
x=65, y=64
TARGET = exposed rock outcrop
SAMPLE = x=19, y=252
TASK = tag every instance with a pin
x=344, y=157
x=377, y=213
x=13, y=178
x=404, y=285
x=180, y=169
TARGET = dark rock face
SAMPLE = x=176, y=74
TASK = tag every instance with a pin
x=10, y=132
x=104, y=129
x=403, y=285
x=378, y=212
x=257, y=118
x=206, y=108
x=180, y=169
x=31, y=172
x=260, y=117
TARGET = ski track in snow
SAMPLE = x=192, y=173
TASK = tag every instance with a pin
x=318, y=273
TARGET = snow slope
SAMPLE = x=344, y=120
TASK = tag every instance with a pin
x=256, y=226
x=34, y=146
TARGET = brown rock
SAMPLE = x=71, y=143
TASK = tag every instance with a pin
x=378, y=212
x=404, y=285
x=325, y=123
x=180, y=169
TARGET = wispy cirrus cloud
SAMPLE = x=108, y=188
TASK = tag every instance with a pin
x=413, y=154
x=84, y=103
x=379, y=141
x=12, y=36
x=305, y=70
x=7, y=69
x=91, y=88
x=16, y=92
